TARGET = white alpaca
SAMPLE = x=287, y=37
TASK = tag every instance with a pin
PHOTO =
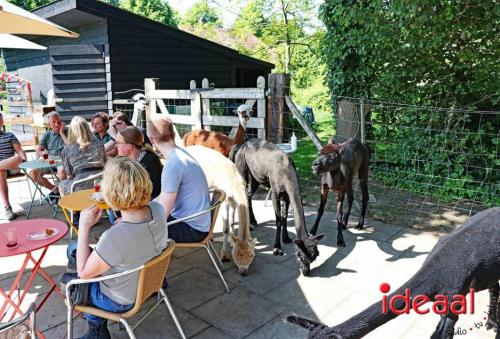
x=221, y=173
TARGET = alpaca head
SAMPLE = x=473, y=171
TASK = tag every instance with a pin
x=307, y=251
x=243, y=112
x=243, y=252
x=139, y=101
x=329, y=159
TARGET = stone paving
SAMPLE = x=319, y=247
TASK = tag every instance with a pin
x=342, y=283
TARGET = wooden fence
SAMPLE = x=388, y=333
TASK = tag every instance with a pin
x=200, y=99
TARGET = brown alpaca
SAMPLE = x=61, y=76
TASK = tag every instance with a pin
x=218, y=141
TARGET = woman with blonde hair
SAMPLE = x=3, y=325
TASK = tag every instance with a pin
x=130, y=143
x=82, y=156
x=139, y=236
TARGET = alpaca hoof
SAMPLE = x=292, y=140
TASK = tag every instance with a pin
x=225, y=259
x=340, y=243
x=344, y=226
x=359, y=227
x=278, y=251
x=305, y=269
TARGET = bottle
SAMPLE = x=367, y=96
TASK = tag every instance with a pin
x=293, y=142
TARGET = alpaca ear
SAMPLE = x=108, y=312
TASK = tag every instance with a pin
x=253, y=241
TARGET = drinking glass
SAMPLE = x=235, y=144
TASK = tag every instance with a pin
x=11, y=236
x=97, y=185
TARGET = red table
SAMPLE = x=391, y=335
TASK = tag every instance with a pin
x=26, y=247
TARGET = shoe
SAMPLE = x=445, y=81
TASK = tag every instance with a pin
x=97, y=331
x=8, y=214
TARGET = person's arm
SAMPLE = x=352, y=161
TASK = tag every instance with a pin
x=110, y=145
x=167, y=200
x=19, y=150
x=89, y=265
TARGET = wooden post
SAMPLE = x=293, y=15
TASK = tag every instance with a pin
x=150, y=84
x=362, y=119
x=279, y=87
x=196, y=112
x=261, y=107
x=346, y=121
x=205, y=103
x=303, y=123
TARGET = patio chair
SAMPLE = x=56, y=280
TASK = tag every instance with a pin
x=17, y=329
x=218, y=198
x=151, y=277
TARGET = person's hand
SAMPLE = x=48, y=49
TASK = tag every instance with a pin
x=90, y=216
x=63, y=126
x=112, y=130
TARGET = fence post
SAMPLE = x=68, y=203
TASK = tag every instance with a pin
x=205, y=104
x=195, y=108
x=279, y=87
x=150, y=85
x=362, y=119
x=261, y=107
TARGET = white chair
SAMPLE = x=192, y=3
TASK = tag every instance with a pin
x=14, y=328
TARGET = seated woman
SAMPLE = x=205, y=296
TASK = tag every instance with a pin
x=120, y=121
x=129, y=143
x=184, y=188
x=140, y=236
x=83, y=156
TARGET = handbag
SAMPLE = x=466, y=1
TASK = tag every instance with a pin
x=79, y=294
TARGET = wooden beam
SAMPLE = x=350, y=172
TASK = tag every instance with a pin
x=303, y=123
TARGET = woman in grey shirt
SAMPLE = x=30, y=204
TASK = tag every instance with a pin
x=140, y=236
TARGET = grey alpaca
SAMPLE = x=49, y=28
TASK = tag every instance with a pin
x=263, y=163
x=338, y=164
x=469, y=257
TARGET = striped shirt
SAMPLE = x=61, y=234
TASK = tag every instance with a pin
x=7, y=140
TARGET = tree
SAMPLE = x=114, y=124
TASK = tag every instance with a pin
x=201, y=14
x=29, y=4
x=157, y=10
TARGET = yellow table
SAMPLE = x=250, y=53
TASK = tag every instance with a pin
x=77, y=202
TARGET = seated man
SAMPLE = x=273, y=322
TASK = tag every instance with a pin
x=11, y=155
x=184, y=188
x=52, y=142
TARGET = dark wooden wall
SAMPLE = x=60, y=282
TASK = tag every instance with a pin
x=140, y=53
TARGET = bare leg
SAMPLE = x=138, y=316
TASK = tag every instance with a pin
x=37, y=176
x=4, y=189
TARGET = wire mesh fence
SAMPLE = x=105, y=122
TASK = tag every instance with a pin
x=428, y=165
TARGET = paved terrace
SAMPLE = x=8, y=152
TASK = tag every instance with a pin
x=342, y=283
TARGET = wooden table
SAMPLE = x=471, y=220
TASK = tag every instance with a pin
x=77, y=202
x=27, y=247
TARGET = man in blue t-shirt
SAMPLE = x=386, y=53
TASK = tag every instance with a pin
x=184, y=188
x=11, y=155
x=53, y=143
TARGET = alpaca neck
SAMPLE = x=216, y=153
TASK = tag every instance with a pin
x=240, y=197
x=240, y=136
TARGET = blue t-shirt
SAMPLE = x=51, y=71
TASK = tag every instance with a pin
x=52, y=142
x=182, y=174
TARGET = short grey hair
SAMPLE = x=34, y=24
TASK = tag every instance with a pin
x=53, y=114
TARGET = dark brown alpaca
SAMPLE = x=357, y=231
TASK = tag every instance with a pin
x=338, y=164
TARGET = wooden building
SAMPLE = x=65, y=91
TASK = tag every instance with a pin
x=116, y=50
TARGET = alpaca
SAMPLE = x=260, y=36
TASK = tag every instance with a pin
x=338, y=164
x=218, y=141
x=221, y=173
x=263, y=163
x=469, y=257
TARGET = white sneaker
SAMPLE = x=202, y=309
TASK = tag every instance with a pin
x=7, y=213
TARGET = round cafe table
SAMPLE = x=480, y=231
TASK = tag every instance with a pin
x=27, y=247
x=77, y=202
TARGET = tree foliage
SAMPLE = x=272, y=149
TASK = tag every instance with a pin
x=202, y=14
x=157, y=10
x=29, y=4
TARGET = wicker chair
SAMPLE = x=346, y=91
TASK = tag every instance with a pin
x=17, y=329
x=151, y=277
x=218, y=198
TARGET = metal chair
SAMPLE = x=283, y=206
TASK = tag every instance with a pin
x=11, y=325
x=151, y=277
x=218, y=198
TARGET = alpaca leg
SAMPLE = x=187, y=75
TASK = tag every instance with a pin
x=277, y=213
x=446, y=327
x=224, y=254
x=323, y=200
x=284, y=217
x=251, y=188
x=363, y=182
x=340, y=225
x=350, y=200
x=494, y=308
